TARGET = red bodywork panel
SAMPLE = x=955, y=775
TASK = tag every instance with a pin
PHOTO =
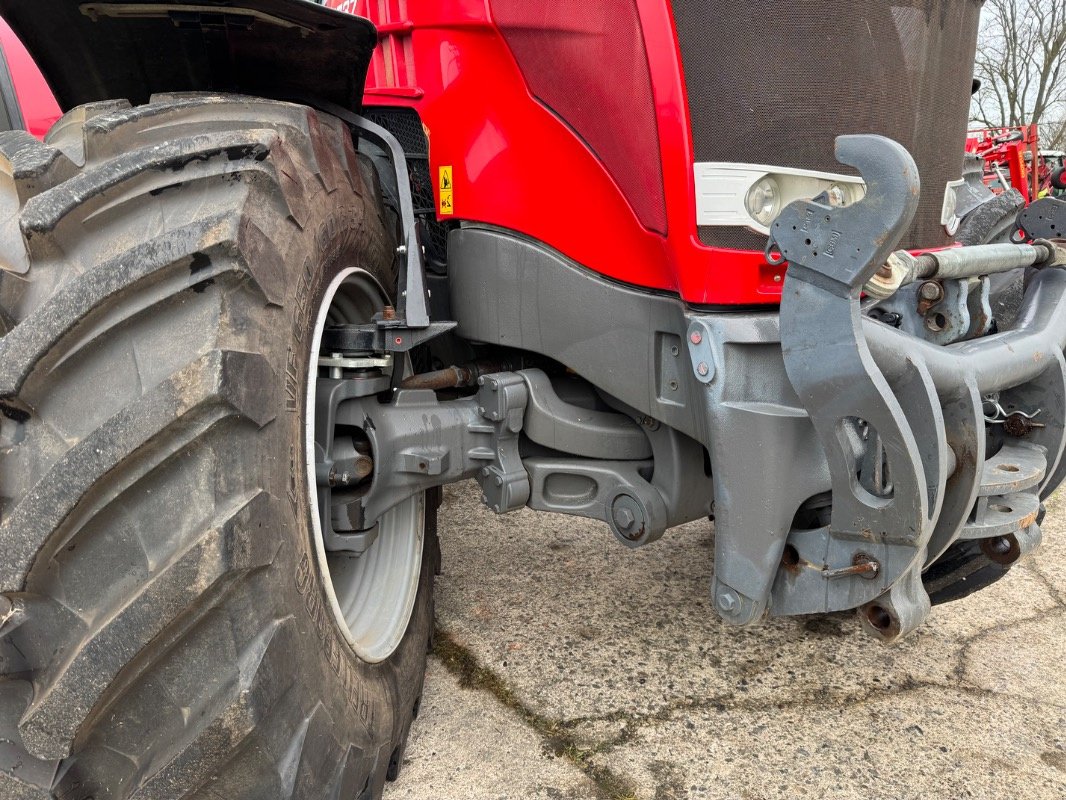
x=39, y=108
x=517, y=164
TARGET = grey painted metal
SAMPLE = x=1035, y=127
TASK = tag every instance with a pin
x=999, y=515
x=412, y=302
x=1028, y=539
x=1017, y=466
x=552, y=422
x=418, y=441
x=502, y=399
x=701, y=354
x=601, y=490
x=768, y=458
x=998, y=362
x=510, y=291
x=840, y=380
x=963, y=312
x=832, y=253
x=971, y=192
x=1044, y=219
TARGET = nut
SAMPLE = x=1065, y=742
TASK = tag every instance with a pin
x=624, y=518
x=728, y=602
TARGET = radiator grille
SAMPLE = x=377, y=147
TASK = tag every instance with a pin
x=774, y=82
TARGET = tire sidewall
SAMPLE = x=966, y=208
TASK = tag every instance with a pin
x=375, y=698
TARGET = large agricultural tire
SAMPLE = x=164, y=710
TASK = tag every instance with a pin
x=167, y=627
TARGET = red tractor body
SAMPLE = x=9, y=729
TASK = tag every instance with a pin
x=578, y=125
x=281, y=272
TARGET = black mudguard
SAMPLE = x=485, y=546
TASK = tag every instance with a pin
x=93, y=51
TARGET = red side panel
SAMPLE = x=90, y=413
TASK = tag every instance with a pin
x=568, y=123
x=39, y=107
x=565, y=49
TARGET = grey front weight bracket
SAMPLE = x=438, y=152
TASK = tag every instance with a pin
x=886, y=450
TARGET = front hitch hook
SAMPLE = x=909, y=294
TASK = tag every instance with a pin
x=832, y=252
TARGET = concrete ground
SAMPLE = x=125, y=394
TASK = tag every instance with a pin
x=570, y=667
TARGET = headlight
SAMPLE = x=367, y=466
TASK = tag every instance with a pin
x=763, y=200
x=752, y=195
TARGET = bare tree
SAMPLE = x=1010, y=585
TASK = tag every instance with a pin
x=1021, y=63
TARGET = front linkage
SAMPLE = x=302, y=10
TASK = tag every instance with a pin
x=915, y=464
x=851, y=459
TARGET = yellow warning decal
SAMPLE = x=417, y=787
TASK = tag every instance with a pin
x=446, y=197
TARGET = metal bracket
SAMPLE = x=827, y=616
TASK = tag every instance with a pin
x=886, y=507
x=410, y=325
x=956, y=311
x=1044, y=219
x=502, y=400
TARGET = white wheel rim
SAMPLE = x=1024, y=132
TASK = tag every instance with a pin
x=372, y=595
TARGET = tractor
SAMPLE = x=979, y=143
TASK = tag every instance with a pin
x=283, y=271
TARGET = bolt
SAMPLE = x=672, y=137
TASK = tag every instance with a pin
x=498, y=481
x=777, y=279
x=696, y=337
x=673, y=386
x=675, y=351
x=728, y=602
x=931, y=291
x=388, y=312
x=624, y=518
x=702, y=368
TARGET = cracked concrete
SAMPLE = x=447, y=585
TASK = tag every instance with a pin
x=574, y=668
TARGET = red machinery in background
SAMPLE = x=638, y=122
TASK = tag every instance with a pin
x=1013, y=159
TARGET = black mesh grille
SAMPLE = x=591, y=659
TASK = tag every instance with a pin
x=772, y=82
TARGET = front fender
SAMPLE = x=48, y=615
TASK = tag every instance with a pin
x=91, y=51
